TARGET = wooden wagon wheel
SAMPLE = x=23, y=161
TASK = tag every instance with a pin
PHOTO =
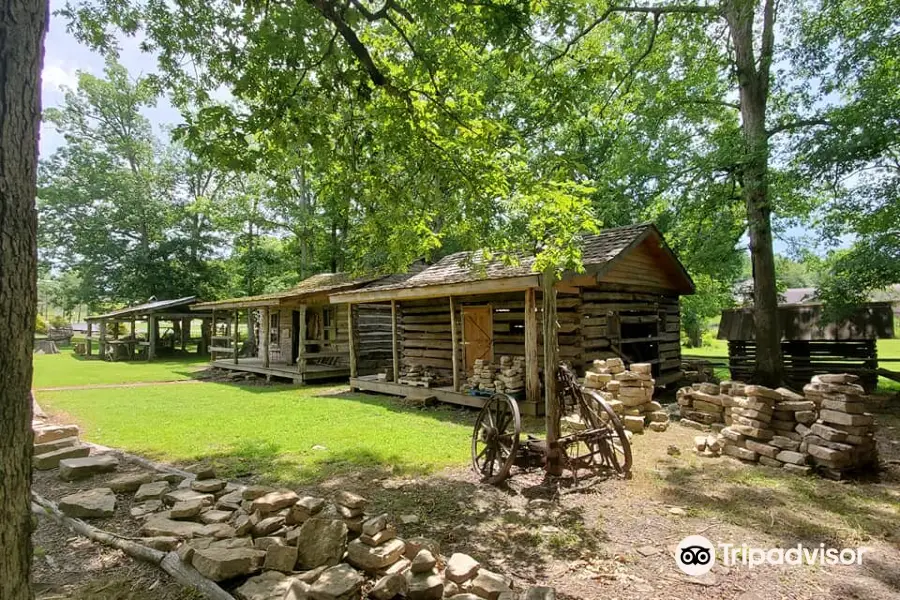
x=495, y=440
x=615, y=449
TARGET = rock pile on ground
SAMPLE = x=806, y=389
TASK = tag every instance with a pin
x=508, y=377
x=274, y=544
x=630, y=393
x=842, y=438
x=826, y=427
x=703, y=404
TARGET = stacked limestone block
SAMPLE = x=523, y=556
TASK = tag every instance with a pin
x=510, y=377
x=842, y=439
x=748, y=436
x=630, y=388
x=701, y=405
x=420, y=376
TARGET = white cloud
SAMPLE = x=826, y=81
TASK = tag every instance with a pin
x=55, y=76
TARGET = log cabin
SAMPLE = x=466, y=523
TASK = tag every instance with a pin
x=297, y=334
x=465, y=309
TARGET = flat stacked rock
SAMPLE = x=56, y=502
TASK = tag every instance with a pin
x=377, y=548
x=630, y=393
x=842, y=439
x=702, y=405
x=510, y=377
x=748, y=436
x=54, y=443
x=352, y=508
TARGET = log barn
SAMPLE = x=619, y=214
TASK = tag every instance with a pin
x=810, y=344
x=297, y=334
x=465, y=309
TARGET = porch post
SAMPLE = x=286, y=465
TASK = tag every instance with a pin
x=237, y=336
x=151, y=337
x=551, y=364
x=532, y=374
x=90, y=330
x=352, y=346
x=264, y=342
x=212, y=334
x=301, y=342
x=103, y=338
x=395, y=349
x=454, y=344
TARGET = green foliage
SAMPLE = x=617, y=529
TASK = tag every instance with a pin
x=58, y=321
x=40, y=325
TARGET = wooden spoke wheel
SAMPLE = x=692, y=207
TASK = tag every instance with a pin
x=613, y=449
x=495, y=440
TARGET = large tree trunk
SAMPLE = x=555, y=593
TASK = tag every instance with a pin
x=753, y=82
x=22, y=27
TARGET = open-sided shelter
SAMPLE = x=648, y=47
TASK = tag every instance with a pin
x=465, y=309
x=176, y=316
x=811, y=345
x=297, y=334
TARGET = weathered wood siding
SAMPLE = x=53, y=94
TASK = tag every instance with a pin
x=373, y=342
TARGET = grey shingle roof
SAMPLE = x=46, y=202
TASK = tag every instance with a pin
x=316, y=284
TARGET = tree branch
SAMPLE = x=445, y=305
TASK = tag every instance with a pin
x=796, y=125
x=327, y=9
x=656, y=11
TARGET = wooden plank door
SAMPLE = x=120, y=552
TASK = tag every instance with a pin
x=478, y=334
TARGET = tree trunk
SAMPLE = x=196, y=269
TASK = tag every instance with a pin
x=753, y=82
x=22, y=27
x=550, y=328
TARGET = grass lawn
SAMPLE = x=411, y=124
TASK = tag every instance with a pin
x=278, y=432
x=68, y=369
x=886, y=349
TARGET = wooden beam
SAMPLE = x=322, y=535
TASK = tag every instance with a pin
x=90, y=327
x=301, y=351
x=151, y=337
x=532, y=373
x=212, y=334
x=237, y=335
x=395, y=346
x=350, y=335
x=454, y=344
x=265, y=334
x=551, y=365
x=103, y=339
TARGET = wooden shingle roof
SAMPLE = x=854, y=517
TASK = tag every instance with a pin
x=317, y=284
x=511, y=273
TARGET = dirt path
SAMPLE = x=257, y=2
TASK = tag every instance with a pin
x=100, y=386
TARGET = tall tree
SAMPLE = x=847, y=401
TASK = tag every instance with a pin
x=22, y=28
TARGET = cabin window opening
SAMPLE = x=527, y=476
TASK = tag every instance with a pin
x=329, y=324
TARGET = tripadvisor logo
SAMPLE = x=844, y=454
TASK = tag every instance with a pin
x=695, y=555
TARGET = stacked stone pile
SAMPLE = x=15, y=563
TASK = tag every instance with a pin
x=271, y=544
x=53, y=443
x=703, y=405
x=842, y=438
x=419, y=376
x=630, y=392
x=483, y=375
x=507, y=377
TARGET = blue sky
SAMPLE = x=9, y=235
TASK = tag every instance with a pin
x=64, y=57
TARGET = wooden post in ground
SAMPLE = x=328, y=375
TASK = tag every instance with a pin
x=133, y=345
x=532, y=366
x=454, y=344
x=264, y=334
x=551, y=365
x=88, y=341
x=351, y=331
x=237, y=335
x=151, y=337
x=395, y=343
x=212, y=334
x=185, y=333
x=103, y=339
x=301, y=342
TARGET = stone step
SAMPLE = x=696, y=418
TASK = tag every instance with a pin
x=51, y=433
x=50, y=460
x=55, y=445
x=71, y=469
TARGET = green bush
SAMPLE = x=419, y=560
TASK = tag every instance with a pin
x=58, y=321
x=40, y=325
